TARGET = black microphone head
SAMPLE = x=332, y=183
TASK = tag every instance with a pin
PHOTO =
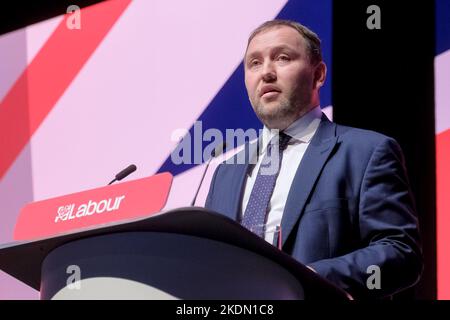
x=219, y=149
x=125, y=172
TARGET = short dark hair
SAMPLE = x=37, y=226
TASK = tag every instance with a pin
x=311, y=38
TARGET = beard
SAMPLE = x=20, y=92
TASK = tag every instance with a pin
x=283, y=112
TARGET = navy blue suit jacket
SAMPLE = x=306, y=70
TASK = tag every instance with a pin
x=349, y=207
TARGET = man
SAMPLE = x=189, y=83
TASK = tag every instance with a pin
x=340, y=194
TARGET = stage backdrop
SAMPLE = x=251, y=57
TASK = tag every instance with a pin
x=77, y=106
x=442, y=85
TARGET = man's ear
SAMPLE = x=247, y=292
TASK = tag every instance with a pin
x=320, y=74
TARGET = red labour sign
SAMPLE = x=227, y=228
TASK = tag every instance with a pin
x=124, y=201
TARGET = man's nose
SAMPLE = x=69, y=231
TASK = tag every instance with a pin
x=268, y=73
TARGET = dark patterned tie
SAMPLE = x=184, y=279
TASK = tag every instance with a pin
x=256, y=211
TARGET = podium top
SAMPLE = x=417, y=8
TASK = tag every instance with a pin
x=23, y=259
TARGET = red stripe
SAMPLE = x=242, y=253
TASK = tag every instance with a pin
x=48, y=76
x=443, y=213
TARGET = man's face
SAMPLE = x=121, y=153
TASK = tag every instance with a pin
x=279, y=77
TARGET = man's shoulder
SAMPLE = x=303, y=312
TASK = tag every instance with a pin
x=364, y=144
x=355, y=140
x=363, y=137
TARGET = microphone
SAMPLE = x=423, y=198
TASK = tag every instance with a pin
x=218, y=150
x=124, y=173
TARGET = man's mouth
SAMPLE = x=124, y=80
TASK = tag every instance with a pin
x=270, y=94
x=269, y=91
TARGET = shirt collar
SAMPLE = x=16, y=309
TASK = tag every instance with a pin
x=301, y=130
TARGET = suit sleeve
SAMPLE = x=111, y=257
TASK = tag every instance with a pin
x=388, y=228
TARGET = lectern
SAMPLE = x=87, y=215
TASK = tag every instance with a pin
x=186, y=253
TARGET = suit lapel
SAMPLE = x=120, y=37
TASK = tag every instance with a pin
x=239, y=180
x=240, y=173
x=310, y=167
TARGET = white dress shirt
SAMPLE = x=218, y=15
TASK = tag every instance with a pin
x=301, y=131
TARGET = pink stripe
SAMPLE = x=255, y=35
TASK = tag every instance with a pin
x=47, y=77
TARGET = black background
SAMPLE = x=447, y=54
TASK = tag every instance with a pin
x=16, y=14
x=383, y=80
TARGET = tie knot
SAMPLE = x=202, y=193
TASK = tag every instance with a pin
x=283, y=140
x=280, y=142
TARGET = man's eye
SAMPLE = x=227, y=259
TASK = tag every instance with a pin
x=255, y=63
x=283, y=57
